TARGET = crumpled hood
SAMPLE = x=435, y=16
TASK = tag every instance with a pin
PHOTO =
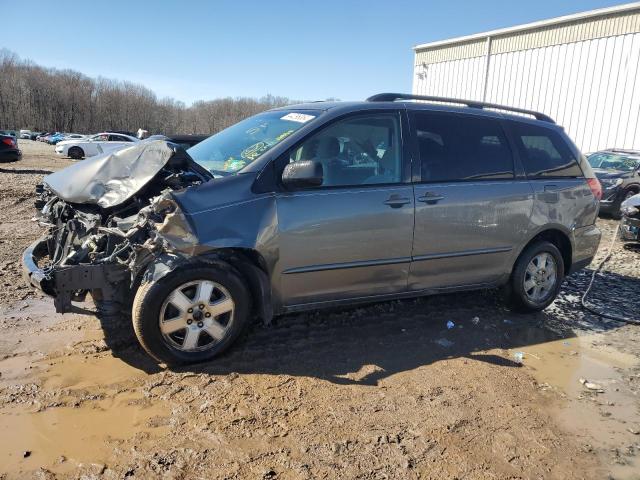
x=112, y=178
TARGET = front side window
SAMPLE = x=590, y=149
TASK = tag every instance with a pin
x=361, y=150
x=544, y=153
x=614, y=162
x=456, y=148
x=236, y=147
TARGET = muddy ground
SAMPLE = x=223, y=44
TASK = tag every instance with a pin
x=383, y=391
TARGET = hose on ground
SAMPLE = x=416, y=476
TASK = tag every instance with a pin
x=591, y=308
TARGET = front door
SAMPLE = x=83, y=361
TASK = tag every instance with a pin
x=351, y=237
x=471, y=210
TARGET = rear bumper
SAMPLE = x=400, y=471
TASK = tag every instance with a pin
x=630, y=229
x=10, y=155
x=585, y=245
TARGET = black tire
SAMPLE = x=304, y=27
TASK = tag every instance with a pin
x=517, y=297
x=150, y=300
x=76, y=153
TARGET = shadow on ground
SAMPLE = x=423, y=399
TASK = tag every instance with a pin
x=364, y=345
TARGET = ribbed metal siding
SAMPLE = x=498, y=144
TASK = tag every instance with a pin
x=591, y=86
x=589, y=29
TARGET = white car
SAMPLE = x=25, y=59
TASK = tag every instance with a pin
x=88, y=147
x=25, y=134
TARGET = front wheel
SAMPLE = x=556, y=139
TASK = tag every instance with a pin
x=191, y=315
x=536, y=277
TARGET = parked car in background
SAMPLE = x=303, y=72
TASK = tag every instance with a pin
x=619, y=173
x=185, y=141
x=9, y=133
x=41, y=137
x=25, y=134
x=88, y=147
x=54, y=139
x=630, y=222
x=321, y=204
x=9, y=151
x=74, y=136
x=34, y=135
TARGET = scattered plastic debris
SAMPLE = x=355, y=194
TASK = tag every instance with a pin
x=519, y=356
x=508, y=322
x=475, y=320
x=591, y=386
x=565, y=343
x=443, y=342
x=450, y=324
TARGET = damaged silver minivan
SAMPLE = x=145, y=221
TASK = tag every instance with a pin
x=316, y=205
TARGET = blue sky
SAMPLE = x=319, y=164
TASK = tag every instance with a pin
x=193, y=50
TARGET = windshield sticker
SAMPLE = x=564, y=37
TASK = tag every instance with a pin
x=298, y=117
x=255, y=150
x=284, y=135
x=233, y=164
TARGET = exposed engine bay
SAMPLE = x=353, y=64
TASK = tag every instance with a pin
x=107, y=219
x=630, y=222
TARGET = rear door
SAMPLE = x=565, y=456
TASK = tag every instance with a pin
x=561, y=193
x=352, y=236
x=472, y=209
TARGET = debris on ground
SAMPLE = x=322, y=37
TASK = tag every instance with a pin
x=591, y=386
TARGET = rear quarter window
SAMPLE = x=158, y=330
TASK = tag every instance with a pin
x=544, y=153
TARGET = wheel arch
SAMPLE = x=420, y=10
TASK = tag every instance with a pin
x=558, y=237
x=248, y=263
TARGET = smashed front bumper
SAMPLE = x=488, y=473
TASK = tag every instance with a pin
x=69, y=283
x=630, y=229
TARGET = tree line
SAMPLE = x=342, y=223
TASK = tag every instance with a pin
x=49, y=99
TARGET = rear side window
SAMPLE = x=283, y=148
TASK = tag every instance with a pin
x=544, y=153
x=458, y=148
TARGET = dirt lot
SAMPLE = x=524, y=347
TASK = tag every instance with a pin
x=384, y=391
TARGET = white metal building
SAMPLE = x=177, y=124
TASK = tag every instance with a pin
x=583, y=70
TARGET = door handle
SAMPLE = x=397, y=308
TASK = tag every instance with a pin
x=396, y=201
x=430, y=198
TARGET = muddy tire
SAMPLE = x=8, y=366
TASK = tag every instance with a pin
x=192, y=314
x=76, y=153
x=536, y=278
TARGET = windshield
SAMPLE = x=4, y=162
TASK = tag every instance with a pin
x=234, y=148
x=611, y=161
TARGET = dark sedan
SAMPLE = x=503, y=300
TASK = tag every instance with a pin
x=619, y=175
x=9, y=151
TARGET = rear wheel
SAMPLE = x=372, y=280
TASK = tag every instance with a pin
x=536, y=277
x=76, y=153
x=191, y=315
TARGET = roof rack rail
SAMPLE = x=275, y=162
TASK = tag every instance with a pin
x=392, y=97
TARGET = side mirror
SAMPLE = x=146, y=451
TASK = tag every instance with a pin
x=302, y=174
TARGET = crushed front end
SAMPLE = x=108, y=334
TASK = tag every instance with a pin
x=630, y=222
x=107, y=219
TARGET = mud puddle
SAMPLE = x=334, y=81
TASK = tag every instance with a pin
x=64, y=408
x=600, y=407
x=60, y=439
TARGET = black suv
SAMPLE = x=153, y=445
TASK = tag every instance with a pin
x=619, y=173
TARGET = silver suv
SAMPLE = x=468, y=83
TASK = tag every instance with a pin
x=316, y=205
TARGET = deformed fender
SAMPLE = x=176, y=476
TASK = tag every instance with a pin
x=258, y=280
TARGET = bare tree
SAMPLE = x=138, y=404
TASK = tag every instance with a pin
x=49, y=99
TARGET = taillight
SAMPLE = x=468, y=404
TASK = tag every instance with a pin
x=9, y=141
x=595, y=187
